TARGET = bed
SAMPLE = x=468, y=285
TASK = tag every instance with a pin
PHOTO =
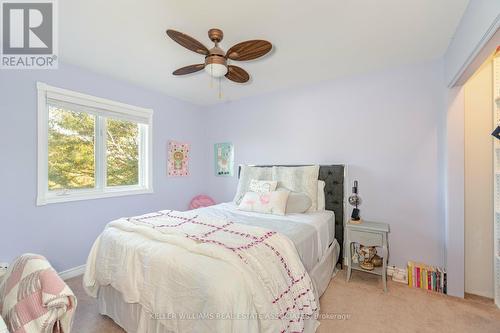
x=208, y=283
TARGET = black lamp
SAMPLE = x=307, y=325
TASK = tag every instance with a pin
x=355, y=201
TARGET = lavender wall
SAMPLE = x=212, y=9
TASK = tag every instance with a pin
x=387, y=126
x=64, y=232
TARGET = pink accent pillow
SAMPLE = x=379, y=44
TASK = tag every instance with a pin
x=201, y=201
x=268, y=203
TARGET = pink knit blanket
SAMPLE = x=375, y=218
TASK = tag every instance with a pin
x=33, y=298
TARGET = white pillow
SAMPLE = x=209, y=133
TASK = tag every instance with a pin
x=262, y=186
x=297, y=203
x=299, y=179
x=267, y=203
x=321, y=195
x=247, y=173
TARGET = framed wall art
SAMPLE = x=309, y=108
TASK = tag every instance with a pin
x=224, y=159
x=178, y=159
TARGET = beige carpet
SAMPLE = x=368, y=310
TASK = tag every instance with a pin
x=357, y=306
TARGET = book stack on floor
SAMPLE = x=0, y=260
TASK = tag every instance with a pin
x=426, y=277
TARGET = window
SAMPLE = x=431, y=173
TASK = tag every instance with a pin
x=89, y=147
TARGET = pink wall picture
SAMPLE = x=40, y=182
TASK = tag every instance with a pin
x=178, y=159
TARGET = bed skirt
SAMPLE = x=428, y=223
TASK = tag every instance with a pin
x=132, y=318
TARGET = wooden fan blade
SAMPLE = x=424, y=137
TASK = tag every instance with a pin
x=188, y=42
x=251, y=49
x=237, y=74
x=189, y=69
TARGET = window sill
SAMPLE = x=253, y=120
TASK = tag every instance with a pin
x=77, y=195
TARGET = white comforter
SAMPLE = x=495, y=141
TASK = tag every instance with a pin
x=311, y=233
x=238, y=278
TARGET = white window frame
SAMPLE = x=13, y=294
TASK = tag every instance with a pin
x=100, y=190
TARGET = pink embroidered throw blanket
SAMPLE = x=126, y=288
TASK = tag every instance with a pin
x=276, y=281
x=33, y=298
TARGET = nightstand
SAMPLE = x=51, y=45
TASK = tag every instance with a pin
x=368, y=234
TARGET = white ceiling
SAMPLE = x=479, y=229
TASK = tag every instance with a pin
x=313, y=40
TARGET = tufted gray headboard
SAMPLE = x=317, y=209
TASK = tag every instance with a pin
x=334, y=178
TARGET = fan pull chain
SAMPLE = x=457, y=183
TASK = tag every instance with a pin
x=211, y=77
x=220, y=88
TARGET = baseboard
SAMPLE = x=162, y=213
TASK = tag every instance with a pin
x=72, y=272
x=479, y=299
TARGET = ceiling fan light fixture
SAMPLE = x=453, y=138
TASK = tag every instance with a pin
x=216, y=65
x=216, y=70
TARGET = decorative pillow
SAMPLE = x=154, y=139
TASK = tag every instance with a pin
x=321, y=195
x=297, y=202
x=262, y=186
x=248, y=173
x=267, y=203
x=299, y=179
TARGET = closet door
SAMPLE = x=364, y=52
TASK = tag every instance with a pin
x=496, y=161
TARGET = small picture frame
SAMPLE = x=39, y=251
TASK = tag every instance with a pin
x=178, y=159
x=224, y=159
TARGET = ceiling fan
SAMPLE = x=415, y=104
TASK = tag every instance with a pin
x=216, y=60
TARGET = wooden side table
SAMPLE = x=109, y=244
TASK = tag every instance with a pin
x=368, y=234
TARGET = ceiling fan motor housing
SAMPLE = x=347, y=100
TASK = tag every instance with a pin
x=215, y=35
